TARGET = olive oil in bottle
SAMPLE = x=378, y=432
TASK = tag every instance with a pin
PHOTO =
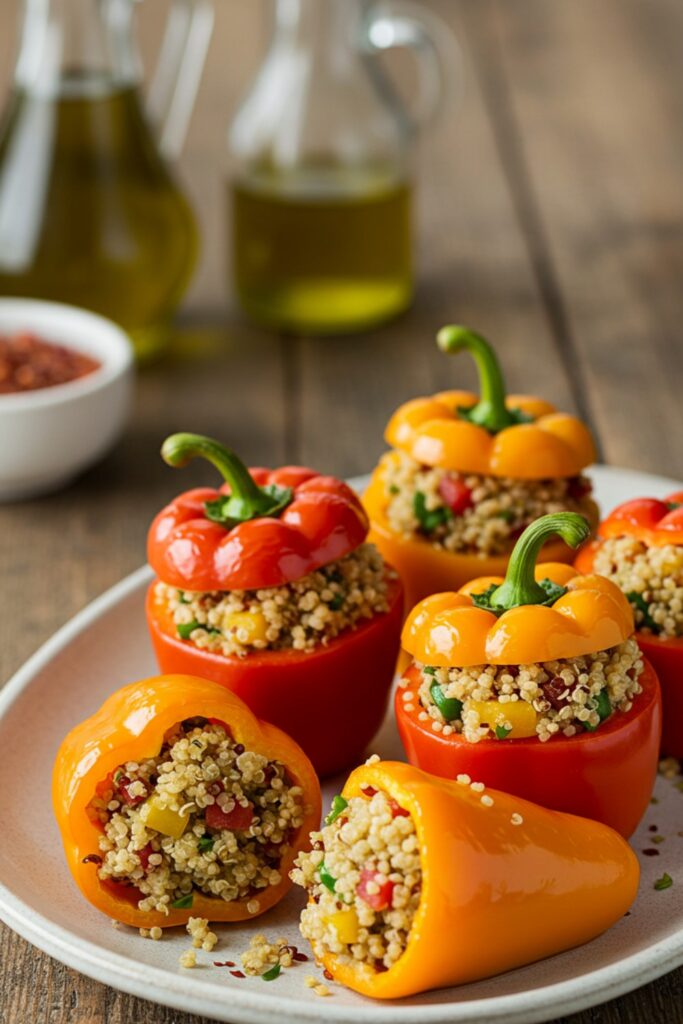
x=322, y=249
x=89, y=213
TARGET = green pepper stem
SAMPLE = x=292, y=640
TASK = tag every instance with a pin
x=490, y=411
x=179, y=449
x=520, y=586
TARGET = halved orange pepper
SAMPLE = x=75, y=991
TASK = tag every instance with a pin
x=656, y=523
x=495, y=434
x=539, y=613
x=130, y=726
x=502, y=885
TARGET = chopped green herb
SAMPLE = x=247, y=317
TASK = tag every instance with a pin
x=641, y=605
x=333, y=575
x=393, y=489
x=184, y=903
x=657, y=839
x=182, y=598
x=665, y=882
x=272, y=973
x=337, y=602
x=338, y=805
x=428, y=670
x=206, y=843
x=507, y=514
x=502, y=732
x=326, y=878
x=679, y=786
x=429, y=519
x=450, y=707
x=603, y=706
x=185, y=629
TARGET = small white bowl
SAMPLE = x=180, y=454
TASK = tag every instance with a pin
x=49, y=435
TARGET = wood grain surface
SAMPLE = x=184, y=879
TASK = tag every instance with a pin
x=550, y=217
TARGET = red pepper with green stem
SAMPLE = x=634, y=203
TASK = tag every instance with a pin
x=538, y=614
x=264, y=529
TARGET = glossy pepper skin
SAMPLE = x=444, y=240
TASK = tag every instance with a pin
x=294, y=521
x=494, y=434
x=607, y=774
x=656, y=523
x=495, y=895
x=130, y=725
x=331, y=700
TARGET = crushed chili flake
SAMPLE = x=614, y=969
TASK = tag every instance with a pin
x=651, y=852
x=653, y=828
x=327, y=975
x=224, y=963
x=28, y=363
x=237, y=974
x=92, y=858
x=299, y=957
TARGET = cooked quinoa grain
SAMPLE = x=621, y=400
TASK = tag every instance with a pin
x=469, y=513
x=203, y=815
x=299, y=615
x=566, y=697
x=364, y=878
x=651, y=578
x=263, y=954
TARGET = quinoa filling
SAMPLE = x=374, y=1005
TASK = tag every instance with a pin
x=364, y=879
x=469, y=513
x=300, y=615
x=204, y=815
x=514, y=701
x=651, y=578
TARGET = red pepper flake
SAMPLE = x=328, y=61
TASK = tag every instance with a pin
x=237, y=974
x=224, y=963
x=653, y=828
x=28, y=363
x=326, y=974
x=300, y=958
x=92, y=858
x=651, y=852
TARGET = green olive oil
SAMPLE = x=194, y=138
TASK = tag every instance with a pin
x=320, y=253
x=89, y=213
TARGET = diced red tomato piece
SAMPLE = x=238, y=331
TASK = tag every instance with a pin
x=456, y=494
x=144, y=854
x=237, y=820
x=368, y=791
x=396, y=810
x=123, y=789
x=380, y=900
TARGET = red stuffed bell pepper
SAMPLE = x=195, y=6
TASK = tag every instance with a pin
x=640, y=547
x=535, y=685
x=267, y=586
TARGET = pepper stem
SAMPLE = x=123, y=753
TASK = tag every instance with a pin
x=246, y=499
x=520, y=586
x=490, y=411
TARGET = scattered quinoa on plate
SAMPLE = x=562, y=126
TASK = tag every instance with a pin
x=363, y=879
x=299, y=615
x=203, y=815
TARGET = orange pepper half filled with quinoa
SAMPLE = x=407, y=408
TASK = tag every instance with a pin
x=535, y=684
x=418, y=883
x=174, y=801
x=640, y=547
x=467, y=474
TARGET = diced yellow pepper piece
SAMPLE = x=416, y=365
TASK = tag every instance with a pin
x=517, y=713
x=252, y=623
x=345, y=923
x=163, y=819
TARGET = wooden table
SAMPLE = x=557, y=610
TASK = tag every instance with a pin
x=551, y=218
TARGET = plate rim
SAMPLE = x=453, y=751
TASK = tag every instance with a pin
x=206, y=997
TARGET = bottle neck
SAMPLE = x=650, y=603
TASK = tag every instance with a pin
x=76, y=47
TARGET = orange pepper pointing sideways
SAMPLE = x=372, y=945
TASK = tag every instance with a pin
x=503, y=883
x=130, y=726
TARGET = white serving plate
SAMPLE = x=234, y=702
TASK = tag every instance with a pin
x=105, y=646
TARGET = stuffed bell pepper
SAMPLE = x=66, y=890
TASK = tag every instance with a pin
x=174, y=801
x=640, y=547
x=417, y=882
x=535, y=684
x=267, y=586
x=467, y=474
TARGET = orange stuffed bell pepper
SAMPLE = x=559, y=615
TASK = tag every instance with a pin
x=466, y=474
x=535, y=684
x=418, y=883
x=174, y=801
x=268, y=587
x=640, y=547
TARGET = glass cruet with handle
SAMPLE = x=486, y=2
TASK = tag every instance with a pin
x=320, y=190
x=90, y=213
